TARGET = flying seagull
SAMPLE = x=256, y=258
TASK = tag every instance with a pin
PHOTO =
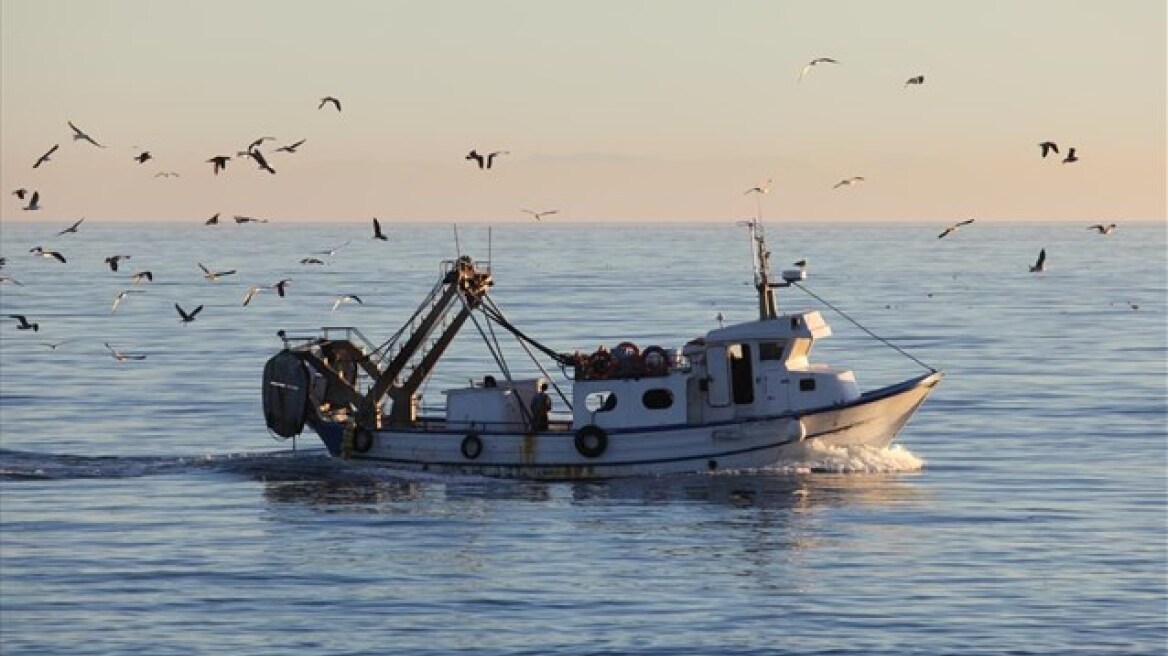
x=1103, y=229
x=143, y=157
x=218, y=163
x=44, y=158
x=954, y=227
x=815, y=62
x=849, y=181
x=34, y=202
x=53, y=346
x=345, y=298
x=263, y=163
x=258, y=142
x=10, y=279
x=251, y=292
x=539, y=215
x=248, y=219
x=24, y=324
x=491, y=156
x=122, y=296
x=142, y=275
x=167, y=174
x=213, y=220
x=20, y=193
x=763, y=189
x=474, y=155
x=213, y=276
x=329, y=99
x=281, y=286
x=311, y=260
x=291, y=148
x=334, y=250
x=72, y=228
x=377, y=233
x=113, y=260
x=1071, y=157
x=37, y=250
x=185, y=317
x=122, y=357
x=79, y=135
x=1040, y=265
x=920, y=79
x=1047, y=147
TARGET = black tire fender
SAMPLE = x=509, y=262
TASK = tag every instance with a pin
x=362, y=439
x=472, y=446
x=591, y=441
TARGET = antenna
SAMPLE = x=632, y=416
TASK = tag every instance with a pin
x=457, y=247
x=490, y=257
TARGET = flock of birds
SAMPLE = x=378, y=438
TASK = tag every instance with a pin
x=484, y=161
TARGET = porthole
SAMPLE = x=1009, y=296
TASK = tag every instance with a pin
x=657, y=399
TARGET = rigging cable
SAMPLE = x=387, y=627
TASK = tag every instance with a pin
x=861, y=327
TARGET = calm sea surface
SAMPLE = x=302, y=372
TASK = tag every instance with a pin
x=145, y=509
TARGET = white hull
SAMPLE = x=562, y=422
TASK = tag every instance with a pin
x=872, y=421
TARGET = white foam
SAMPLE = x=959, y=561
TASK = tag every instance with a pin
x=820, y=457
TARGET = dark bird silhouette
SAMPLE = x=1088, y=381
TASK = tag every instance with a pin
x=329, y=99
x=263, y=163
x=143, y=157
x=920, y=79
x=72, y=228
x=849, y=181
x=377, y=233
x=44, y=158
x=213, y=220
x=491, y=156
x=1103, y=229
x=1071, y=157
x=311, y=260
x=1040, y=265
x=79, y=135
x=24, y=324
x=248, y=219
x=218, y=163
x=802, y=264
x=188, y=317
x=815, y=62
x=20, y=193
x=1047, y=147
x=33, y=202
x=167, y=174
x=113, y=260
x=142, y=276
x=954, y=227
x=474, y=155
x=258, y=142
x=37, y=250
x=281, y=286
x=292, y=147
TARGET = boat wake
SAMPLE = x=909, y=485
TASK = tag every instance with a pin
x=818, y=457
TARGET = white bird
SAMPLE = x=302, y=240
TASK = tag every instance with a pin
x=849, y=181
x=213, y=276
x=815, y=62
x=539, y=215
x=34, y=202
x=1103, y=229
x=954, y=227
x=763, y=189
x=10, y=279
x=122, y=357
x=54, y=255
x=79, y=135
x=251, y=292
x=346, y=298
x=122, y=296
x=1040, y=265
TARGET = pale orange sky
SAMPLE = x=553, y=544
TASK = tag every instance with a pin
x=611, y=109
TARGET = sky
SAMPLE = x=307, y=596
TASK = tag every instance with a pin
x=610, y=110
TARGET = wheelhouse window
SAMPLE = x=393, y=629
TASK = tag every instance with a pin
x=771, y=350
x=806, y=384
x=741, y=373
x=657, y=399
x=600, y=402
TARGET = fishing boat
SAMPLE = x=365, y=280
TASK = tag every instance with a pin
x=740, y=397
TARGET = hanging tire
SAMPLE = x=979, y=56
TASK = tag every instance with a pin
x=362, y=440
x=655, y=361
x=591, y=441
x=472, y=446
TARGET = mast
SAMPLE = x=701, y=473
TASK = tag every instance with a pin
x=768, y=305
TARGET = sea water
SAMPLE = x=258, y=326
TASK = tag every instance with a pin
x=146, y=509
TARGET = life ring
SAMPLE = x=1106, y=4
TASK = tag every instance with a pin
x=655, y=361
x=632, y=348
x=601, y=365
x=472, y=446
x=591, y=441
x=362, y=440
